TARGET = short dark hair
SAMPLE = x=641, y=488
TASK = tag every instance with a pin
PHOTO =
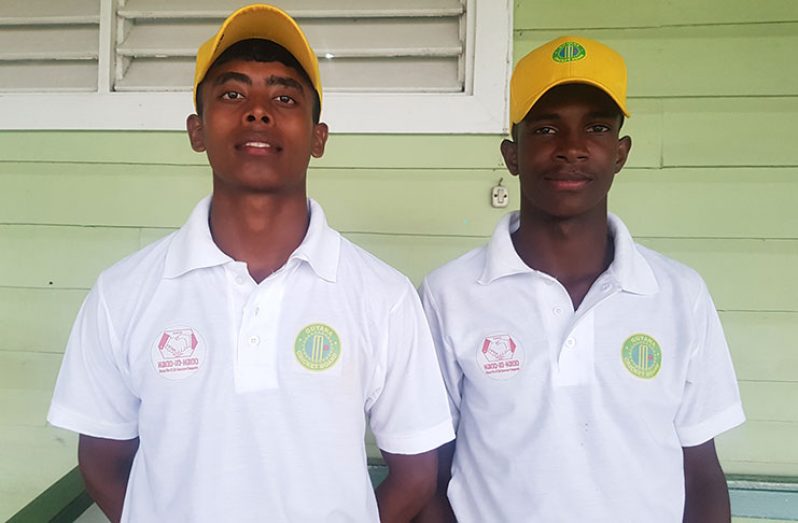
x=259, y=50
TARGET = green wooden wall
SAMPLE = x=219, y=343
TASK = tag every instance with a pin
x=712, y=180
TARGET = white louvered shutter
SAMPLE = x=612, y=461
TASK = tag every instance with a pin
x=49, y=45
x=362, y=45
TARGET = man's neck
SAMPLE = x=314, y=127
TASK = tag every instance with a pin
x=262, y=230
x=575, y=251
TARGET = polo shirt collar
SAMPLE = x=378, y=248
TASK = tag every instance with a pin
x=501, y=258
x=629, y=267
x=193, y=247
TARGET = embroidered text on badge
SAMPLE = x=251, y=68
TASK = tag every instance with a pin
x=642, y=355
x=178, y=353
x=317, y=347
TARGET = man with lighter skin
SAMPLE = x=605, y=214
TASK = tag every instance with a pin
x=227, y=371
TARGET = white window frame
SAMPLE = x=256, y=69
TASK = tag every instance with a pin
x=481, y=109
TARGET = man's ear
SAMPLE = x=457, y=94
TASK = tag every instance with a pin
x=320, y=133
x=194, y=128
x=509, y=151
x=624, y=146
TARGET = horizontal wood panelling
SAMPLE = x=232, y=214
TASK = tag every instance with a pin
x=172, y=148
x=71, y=257
x=678, y=202
x=551, y=14
x=703, y=61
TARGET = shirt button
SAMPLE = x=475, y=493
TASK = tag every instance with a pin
x=257, y=311
x=557, y=311
x=254, y=340
x=605, y=286
x=240, y=280
x=570, y=342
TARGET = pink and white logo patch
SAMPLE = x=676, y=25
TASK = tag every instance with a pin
x=500, y=357
x=178, y=353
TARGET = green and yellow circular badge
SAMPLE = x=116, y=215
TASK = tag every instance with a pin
x=568, y=52
x=317, y=347
x=642, y=356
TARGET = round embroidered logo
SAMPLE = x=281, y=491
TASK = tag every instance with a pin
x=568, y=52
x=317, y=347
x=178, y=353
x=642, y=356
x=500, y=357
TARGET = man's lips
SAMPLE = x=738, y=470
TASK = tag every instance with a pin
x=258, y=147
x=568, y=182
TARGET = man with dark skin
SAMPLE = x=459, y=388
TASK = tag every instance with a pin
x=575, y=459
x=258, y=122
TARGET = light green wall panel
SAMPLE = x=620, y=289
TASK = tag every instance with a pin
x=707, y=203
x=33, y=459
x=764, y=346
x=743, y=275
x=60, y=257
x=579, y=14
x=770, y=400
x=31, y=371
x=37, y=320
x=729, y=132
x=100, y=194
x=760, y=447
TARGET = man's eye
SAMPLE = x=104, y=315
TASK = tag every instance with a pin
x=285, y=99
x=598, y=128
x=544, y=130
x=231, y=95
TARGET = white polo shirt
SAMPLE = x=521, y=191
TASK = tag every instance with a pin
x=566, y=415
x=250, y=400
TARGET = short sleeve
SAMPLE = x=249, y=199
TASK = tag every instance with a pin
x=92, y=395
x=450, y=368
x=408, y=412
x=711, y=400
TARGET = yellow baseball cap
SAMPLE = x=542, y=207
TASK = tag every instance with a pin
x=566, y=60
x=264, y=22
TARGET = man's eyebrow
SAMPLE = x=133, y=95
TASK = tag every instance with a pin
x=543, y=116
x=285, y=82
x=232, y=75
x=608, y=115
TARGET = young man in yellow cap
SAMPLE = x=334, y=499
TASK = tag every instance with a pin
x=225, y=373
x=587, y=375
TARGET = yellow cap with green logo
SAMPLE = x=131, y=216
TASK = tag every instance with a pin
x=264, y=22
x=566, y=60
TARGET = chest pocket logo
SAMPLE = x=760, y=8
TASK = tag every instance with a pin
x=317, y=347
x=642, y=356
x=500, y=357
x=178, y=353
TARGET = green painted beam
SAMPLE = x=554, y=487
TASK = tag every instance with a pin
x=696, y=61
